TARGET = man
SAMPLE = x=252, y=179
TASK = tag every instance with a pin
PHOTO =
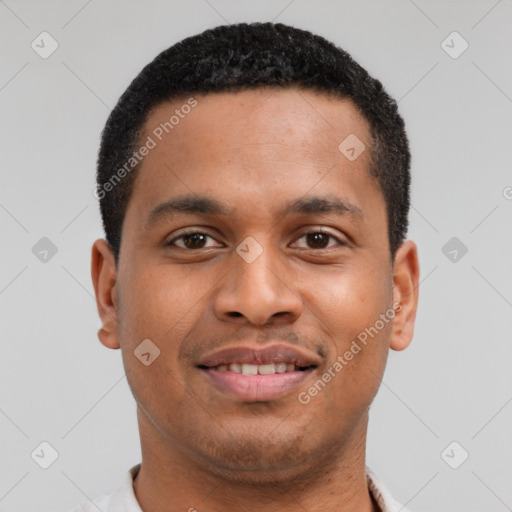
x=254, y=188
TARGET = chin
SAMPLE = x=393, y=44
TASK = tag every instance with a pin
x=260, y=459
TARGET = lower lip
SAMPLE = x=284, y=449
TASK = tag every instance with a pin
x=256, y=388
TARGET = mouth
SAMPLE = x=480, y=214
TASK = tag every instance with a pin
x=258, y=375
x=258, y=369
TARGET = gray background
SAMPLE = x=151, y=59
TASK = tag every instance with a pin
x=454, y=383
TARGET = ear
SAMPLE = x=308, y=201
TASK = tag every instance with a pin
x=103, y=272
x=406, y=272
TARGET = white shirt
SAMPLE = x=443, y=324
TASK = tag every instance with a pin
x=124, y=500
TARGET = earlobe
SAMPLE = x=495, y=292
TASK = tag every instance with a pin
x=103, y=273
x=107, y=339
x=405, y=294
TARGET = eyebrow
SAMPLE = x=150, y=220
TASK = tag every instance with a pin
x=194, y=204
x=324, y=204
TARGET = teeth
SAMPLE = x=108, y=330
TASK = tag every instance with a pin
x=235, y=367
x=281, y=367
x=255, y=369
x=250, y=369
x=266, y=369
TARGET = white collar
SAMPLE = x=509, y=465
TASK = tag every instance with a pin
x=381, y=494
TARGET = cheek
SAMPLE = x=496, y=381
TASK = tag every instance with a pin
x=349, y=300
x=350, y=306
x=158, y=305
x=155, y=308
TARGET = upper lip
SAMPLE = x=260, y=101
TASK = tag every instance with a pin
x=277, y=353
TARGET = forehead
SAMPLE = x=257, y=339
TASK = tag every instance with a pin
x=294, y=122
x=260, y=148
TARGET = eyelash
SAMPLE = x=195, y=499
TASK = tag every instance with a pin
x=340, y=242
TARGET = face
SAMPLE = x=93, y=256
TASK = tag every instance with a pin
x=252, y=244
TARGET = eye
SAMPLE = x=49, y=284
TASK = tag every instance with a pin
x=193, y=240
x=197, y=240
x=320, y=239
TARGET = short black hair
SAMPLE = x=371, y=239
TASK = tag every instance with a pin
x=247, y=56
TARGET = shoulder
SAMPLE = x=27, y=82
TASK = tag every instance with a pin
x=121, y=500
x=101, y=502
x=381, y=494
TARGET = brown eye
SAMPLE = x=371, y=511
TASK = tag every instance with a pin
x=319, y=240
x=191, y=241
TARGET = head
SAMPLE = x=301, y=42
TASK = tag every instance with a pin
x=254, y=189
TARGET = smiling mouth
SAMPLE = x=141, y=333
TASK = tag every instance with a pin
x=258, y=374
x=250, y=383
x=258, y=369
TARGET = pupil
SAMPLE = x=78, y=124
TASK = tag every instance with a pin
x=318, y=238
x=194, y=239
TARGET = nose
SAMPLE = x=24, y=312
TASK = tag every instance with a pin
x=259, y=292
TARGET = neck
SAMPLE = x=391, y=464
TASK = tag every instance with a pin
x=171, y=480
